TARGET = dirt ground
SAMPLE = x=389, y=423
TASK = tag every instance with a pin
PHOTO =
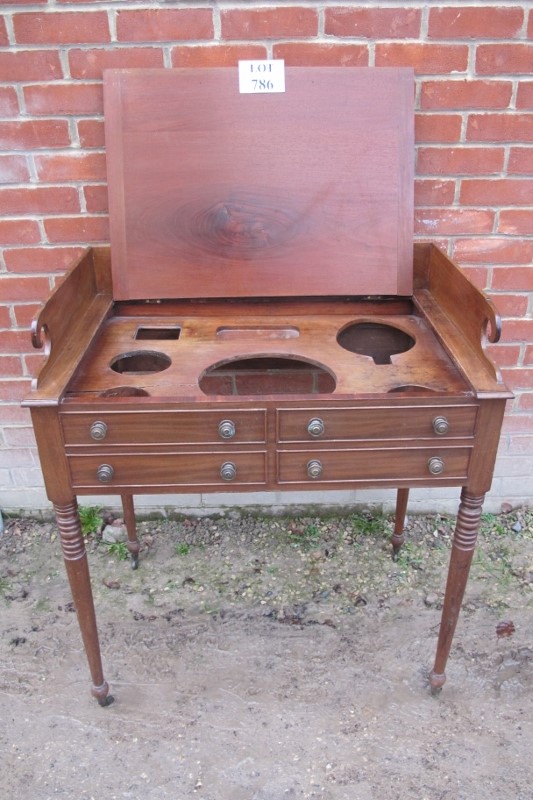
x=257, y=658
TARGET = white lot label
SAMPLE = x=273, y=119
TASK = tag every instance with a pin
x=261, y=77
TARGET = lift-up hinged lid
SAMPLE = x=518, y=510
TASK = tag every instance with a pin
x=305, y=192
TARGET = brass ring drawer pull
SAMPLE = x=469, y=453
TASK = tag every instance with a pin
x=316, y=427
x=105, y=473
x=314, y=469
x=98, y=430
x=228, y=471
x=436, y=465
x=226, y=429
x=440, y=426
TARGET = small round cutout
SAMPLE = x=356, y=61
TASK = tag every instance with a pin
x=140, y=362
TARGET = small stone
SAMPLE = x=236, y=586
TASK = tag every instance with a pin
x=517, y=527
x=431, y=599
x=506, y=508
x=114, y=533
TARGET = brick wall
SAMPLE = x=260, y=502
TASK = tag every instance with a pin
x=474, y=186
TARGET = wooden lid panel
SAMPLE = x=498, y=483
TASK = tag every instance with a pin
x=219, y=194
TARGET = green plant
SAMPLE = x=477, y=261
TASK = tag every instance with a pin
x=182, y=548
x=369, y=525
x=118, y=549
x=91, y=519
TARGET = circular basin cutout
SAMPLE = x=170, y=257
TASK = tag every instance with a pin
x=264, y=375
x=125, y=391
x=376, y=340
x=140, y=362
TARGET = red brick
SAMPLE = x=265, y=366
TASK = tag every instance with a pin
x=14, y=342
x=21, y=457
x=30, y=65
x=440, y=128
x=505, y=355
x=24, y=314
x=517, y=424
x=475, y=23
x=269, y=23
x=500, y=127
x=459, y=160
x=96, y=199
x=528, y=356
x=374, y=23
x=465, y=94
x=434, y=193
x=77, y=229
x=34, y=134
x=41, y=259
x=9, y=104
x=61, y=28
x=521, y=161
x=20, y=437
x=523, y=403
x=75, y=166
x=495, y=250
x=91, y=132
x=518, y=378
x=510, y=305
x=49, y=99
x=13, y=414
x=10, y=367
x=513, y=279
x=3, y=33
x=89, y=64
x=496, y=191
x=427, y=59
x=310, y=54
x=13, y=169
x=39, y=199
x=19, y=288
x=5, y=319
x=19, y=231
x=524, y=97
x=35, y=362
x=498, y=59
x=164, y=25
x=215, y=55
x=516, y=222
x=13, y=390
x=478, y=275
x=453, y=221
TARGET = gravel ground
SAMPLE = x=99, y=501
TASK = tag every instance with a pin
x=262, y=658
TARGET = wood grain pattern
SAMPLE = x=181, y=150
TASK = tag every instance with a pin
x=218, y=194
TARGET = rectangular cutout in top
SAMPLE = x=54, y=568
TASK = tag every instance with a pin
x=158, y=333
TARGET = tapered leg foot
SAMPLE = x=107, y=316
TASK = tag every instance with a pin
x=131, y=527
x=398, y=537
x=464, y=542
x=436, y=683
x=101, y=694
x=75, y=556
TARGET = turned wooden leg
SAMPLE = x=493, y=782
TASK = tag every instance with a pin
x=129, y=519
x=72, y=542
x=398, y=537
x=464, y=542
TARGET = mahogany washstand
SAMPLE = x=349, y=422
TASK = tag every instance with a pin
x=260, y=321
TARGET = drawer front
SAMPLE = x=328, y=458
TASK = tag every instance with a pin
x=164, y=427
x=400, y=464
x=221, y=470
x=388, y=422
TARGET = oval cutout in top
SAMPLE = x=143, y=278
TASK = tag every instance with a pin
x=265, y=375
x=375, y=339
x=140, y=362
